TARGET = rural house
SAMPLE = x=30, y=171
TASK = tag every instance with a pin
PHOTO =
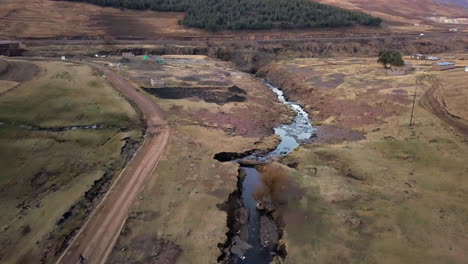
x=442, y=66
x=127, y=55
x=418, y=56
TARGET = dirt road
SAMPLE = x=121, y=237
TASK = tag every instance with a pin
x=98, y=235
x=261, y=39
x=433, y=102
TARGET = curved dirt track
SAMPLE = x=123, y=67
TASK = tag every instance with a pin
x=98, y=235
x=432, y=102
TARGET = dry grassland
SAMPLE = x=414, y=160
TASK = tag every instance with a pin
x=397, y=196
x=45, y=172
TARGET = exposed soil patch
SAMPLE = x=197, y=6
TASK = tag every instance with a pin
x=434, y=103
x=218, y=95
x=333, y=81
x=237, y=122
x=399, y=91
x=17, y=71
x=130, y=148
x=236, y=89
x=128, y=26
x=331, y=134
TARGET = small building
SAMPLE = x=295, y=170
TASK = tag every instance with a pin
x=127, y=55
x=11, y=48
x=433, y=58
x=442, y=66
x=158, y=82
x=418, y=56
x=466, y=68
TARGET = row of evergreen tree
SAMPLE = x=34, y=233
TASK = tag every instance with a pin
x=250, y=14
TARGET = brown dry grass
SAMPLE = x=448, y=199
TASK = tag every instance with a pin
x=43, y=18
x=401, y=11
x=44, y=173
x=275, y=182
x=396, y=196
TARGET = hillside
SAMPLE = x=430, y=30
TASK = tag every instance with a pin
x=59, y=19
x=457, y=2
x=402, y=11
x=251, y=14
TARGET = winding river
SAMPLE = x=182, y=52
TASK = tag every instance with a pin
x=292, y=135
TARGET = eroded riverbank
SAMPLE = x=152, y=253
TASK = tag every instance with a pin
x=254, y=222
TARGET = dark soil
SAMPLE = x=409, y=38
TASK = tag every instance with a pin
x=269, y=235
x=130, y=148
x=217, y=95
x=17, y=71
x=230, y=156
x=235, y=89
x=233, y=208
x=67, y=226
x=127, y=26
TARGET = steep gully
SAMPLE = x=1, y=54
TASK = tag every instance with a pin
x=254, y=232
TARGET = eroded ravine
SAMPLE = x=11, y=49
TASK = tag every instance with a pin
x=254, y=234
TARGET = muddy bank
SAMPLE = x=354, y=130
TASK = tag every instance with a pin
x=255, y=229
x=334, y=135
x=254, y=219
x=217, y=95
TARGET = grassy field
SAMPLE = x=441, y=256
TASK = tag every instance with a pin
x=45, y=172
x=397, y=196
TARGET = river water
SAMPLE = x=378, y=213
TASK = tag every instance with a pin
x=292, y=135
